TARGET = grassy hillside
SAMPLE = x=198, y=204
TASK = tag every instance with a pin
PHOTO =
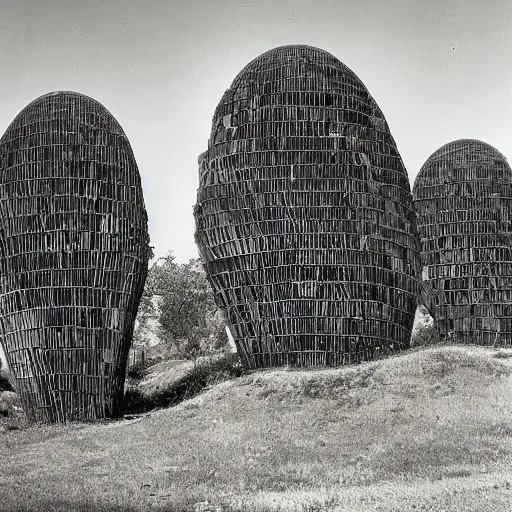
x=429, y=430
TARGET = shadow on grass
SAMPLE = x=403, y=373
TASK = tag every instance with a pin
x=86, y=506
x=62, y=505
x=503, y=355
x=5, y=383
x=67, y=506
x=201, y=376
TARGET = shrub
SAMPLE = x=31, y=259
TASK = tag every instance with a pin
x=425, y=335
x=138, y=370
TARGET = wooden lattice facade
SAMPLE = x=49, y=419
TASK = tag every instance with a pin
x=73, y=257
x=304, y=215
x=463, y=197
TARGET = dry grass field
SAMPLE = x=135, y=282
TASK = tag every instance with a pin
x=427, y=430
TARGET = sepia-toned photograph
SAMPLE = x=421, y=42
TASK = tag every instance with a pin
x=255, y=256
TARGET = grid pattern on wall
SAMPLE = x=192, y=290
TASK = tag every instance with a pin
x=304, y=215
x=73, y=256
x=463, y=196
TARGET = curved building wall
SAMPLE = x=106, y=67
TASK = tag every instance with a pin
x=73, y=256
x=463, y=197
x=304, y=215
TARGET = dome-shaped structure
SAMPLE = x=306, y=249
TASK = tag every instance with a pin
x=73, y=256
x=304, y=215
x=463, y=197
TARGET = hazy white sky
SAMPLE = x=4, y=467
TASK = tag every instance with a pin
x=439, y=69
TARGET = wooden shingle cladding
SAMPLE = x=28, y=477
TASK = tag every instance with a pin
x=304, y=215
x=463, y=197
x=73, y=256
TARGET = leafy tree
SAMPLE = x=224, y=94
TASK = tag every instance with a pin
x=424, y=332
x=179, y=296
x=423, y=317
x=424, y=335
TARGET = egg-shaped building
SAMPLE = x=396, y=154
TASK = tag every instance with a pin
x=463, y=197
x=304, y=215
x=73, y=257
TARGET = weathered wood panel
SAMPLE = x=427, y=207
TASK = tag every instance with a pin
x=304, y=215
x=463, y=196
x=73, y=256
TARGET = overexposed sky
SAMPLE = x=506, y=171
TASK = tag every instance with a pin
x=439, y=69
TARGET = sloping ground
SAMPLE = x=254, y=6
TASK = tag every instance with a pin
x=165, y=374
x=429, y=430
x=170, y=382
x=162, y=375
